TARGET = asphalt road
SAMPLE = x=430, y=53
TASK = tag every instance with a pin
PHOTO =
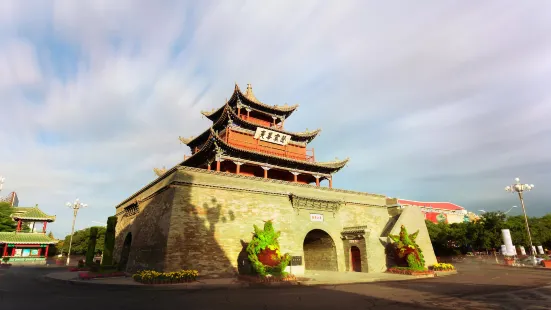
x=477, y=286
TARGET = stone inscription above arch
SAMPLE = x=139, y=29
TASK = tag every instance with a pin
x=309, y=203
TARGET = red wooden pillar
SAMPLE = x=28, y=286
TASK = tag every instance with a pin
x=238, y=168
x=317, y=180
x=238, y=111
x=331, y=182
x=248, y=113
x=18, y=225
x=46, y=252
x=5, y=253
x=218, y=164
x=265, y=172
x=44, y=227
x=13, y=251
x=39, y=251
x=295, y=176
x=208, y=166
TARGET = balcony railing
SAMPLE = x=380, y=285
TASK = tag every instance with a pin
x=308, y=155
x=19, y=259
x=261, y=122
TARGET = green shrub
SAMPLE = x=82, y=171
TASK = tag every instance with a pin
x=408, y=250
x=264, y=254
x=151, y=276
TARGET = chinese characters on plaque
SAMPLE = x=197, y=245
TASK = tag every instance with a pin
x=272, y=136
x=316, y=217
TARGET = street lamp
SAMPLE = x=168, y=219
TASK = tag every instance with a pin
x=519, y=189
x=1, y=182
x=75, y=206
x=484, y=211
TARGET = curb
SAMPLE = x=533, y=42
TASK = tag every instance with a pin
x=525, y=267
x=169, y=287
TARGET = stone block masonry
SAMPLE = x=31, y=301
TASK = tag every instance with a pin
x=197, y=219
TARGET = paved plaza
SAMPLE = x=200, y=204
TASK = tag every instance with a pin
x=477, y=286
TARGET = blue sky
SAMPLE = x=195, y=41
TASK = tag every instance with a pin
x=446, y=101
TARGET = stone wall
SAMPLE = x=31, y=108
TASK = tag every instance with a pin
x=197, y=219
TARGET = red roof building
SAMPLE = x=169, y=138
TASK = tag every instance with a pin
x=438, y=212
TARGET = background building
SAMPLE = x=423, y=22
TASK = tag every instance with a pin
x=440, y=212
x=11, y=199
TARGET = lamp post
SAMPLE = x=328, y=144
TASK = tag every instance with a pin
x=520, y=189
x=75, y=206
x=484, y=211
x=1, y=182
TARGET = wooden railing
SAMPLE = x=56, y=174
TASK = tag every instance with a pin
x=261, y=122
x=308, y=155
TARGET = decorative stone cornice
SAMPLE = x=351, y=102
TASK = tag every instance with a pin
x=354, y=232
x=310, y=203
x=259, y=179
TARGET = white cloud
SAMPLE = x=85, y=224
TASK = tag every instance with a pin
x=430, y=102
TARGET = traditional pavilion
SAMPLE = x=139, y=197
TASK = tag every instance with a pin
x=248, y=137
x=244, y=170
x=30, y=242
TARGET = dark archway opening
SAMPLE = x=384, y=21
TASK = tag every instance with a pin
x=125, y=253
x=319, y=251
x=356, y=258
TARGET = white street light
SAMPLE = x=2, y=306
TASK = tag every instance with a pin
x=1, y=182
x=510, y=209
x=519, y=189
x=75, y=206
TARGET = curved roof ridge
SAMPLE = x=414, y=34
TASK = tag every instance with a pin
x=221, y=119
x=249, y=95
x=305, y=134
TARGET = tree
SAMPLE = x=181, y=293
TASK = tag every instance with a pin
x=91, y=246
x=80, y=241
x=485, y=234
x=7, y=224
x=109, y=241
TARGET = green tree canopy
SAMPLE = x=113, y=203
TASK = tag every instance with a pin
x=80, y=241
x=7, y=224
x=485, y=234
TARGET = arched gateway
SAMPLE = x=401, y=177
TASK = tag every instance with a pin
x=319, y=251
x=126, y=251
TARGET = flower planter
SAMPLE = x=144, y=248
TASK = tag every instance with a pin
x=440, y=273
x=410, y=272
x=546, y=263
x=73, y=269
x=273, y=279
x=91, y=275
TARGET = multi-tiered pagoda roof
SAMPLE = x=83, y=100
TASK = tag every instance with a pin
x=248, y=137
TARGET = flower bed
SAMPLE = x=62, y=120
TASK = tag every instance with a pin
x=443, y=267
x=94, y=275
x=265, y=279
x=73, y=269
x=155, y=277
x=409, y=271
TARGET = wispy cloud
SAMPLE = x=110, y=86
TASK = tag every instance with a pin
x=447, y=101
